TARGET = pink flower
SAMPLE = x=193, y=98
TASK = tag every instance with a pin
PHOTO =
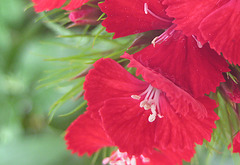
x=139, y=116
x=153, y=158
x=46, y=5
x=213, y=21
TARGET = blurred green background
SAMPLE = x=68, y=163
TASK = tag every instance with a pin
x=25, y=136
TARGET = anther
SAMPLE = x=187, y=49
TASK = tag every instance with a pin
x=150, y=102
x=144, y=159
x=163, y=37
x=136, y=97
x=151, y=118
x=160, y=116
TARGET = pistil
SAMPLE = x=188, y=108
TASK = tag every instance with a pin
x=148, y=11
x=198, y=42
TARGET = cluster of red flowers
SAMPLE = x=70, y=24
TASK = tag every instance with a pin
x=161, y=119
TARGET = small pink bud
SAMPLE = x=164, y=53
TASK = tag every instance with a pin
x=85, y=15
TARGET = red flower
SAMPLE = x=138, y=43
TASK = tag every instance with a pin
x=46, y=5
x=204, y=72
x=126, y=17
x=87, y=134
x=236, y=143
x=179, y=59
x=206, y=20
x=139, y=116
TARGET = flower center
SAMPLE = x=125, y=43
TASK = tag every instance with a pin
x=121, y=158
x=148, y=11
x=150, y=102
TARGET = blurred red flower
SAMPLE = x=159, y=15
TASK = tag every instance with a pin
x=46, y=5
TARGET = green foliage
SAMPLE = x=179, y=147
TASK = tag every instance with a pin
x=82, y=48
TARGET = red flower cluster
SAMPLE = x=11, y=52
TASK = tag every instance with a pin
x=167, y=112
x=161, y=119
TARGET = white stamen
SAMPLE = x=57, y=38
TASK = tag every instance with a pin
x=142, y=103
x=122, y=158
x=144, y=159
x=153, y=109
x=151, y=117
x=136, y=97
x=106, y=160
x=198, y=42
x=147, y=106
x=163, y=37
x=133, y=161
x=154, y=41
x=146, y=11
x=119, y=158
x=145, y=8
x=160, y=116
x=150, y=102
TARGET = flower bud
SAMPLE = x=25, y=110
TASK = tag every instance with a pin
x=231, y=88
x=86, y=15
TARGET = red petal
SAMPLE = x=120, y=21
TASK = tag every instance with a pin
x=236, y=143
x=188, y=14
x=108, y=80
x=182, y=132
x=86, y=135
x=74, y=4
x=180, y=60
x=180, y=100
x=126, y=17
x=127, y=125
x=42, y=5
x=223, y=31
x=166, y=157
